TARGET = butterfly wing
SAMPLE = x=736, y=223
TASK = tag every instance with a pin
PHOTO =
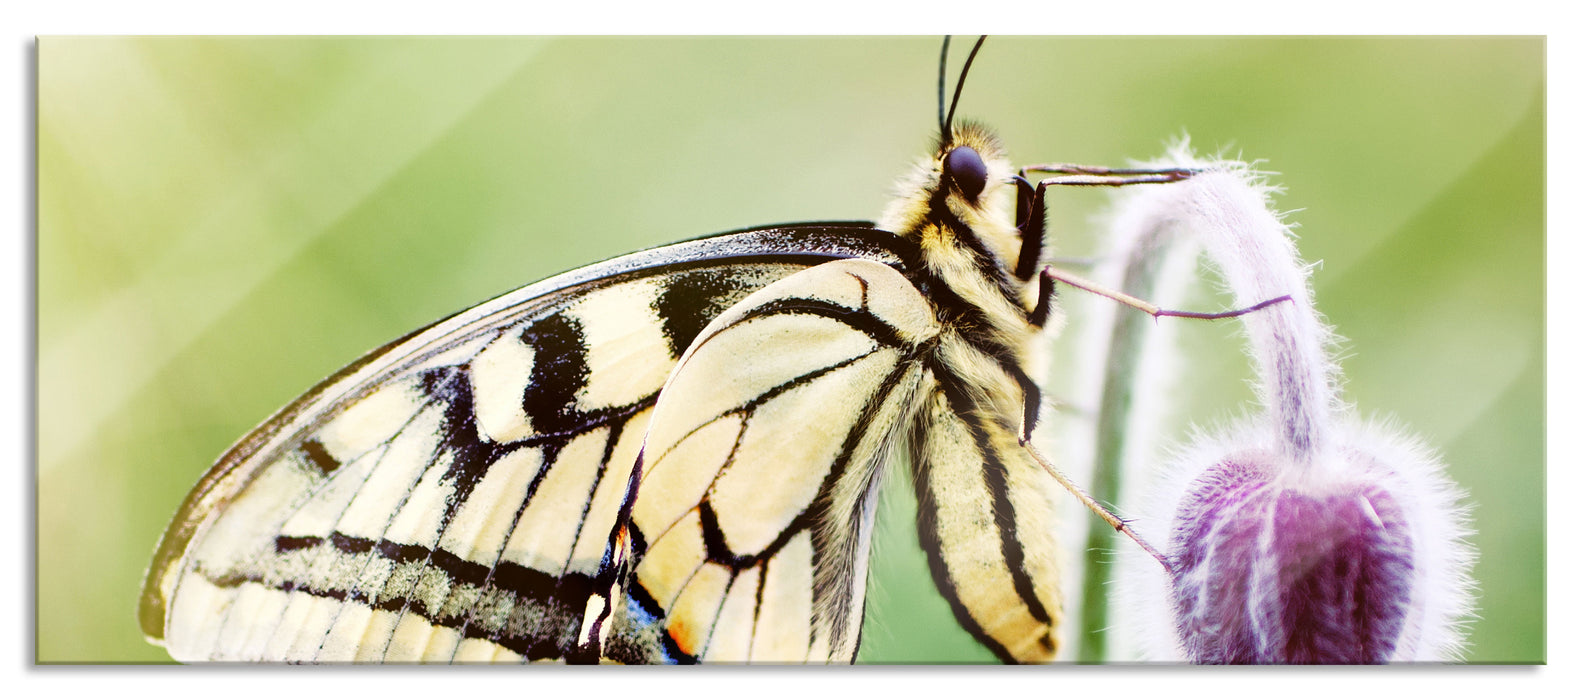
x=986, y=521
x=749, y=528
x=452, y=495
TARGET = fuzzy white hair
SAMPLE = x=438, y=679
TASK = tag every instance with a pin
x=1315, y=438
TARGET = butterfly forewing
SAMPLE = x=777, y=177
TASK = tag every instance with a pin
x=751, y=521
x=452, y=496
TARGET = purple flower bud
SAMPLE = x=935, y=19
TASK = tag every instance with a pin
x=1265, y=572
x=1301, y=535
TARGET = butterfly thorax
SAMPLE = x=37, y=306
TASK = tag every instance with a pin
x=967, y=244
x=968, y=247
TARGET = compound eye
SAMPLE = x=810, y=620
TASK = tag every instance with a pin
x=966, y=172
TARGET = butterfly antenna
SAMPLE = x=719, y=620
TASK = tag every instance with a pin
x=944, y=126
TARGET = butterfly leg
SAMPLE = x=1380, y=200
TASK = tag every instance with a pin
x=1033, y=398
x=1145, y=174
x=1030, y=198
x=1046, y=293
x=1098, y=509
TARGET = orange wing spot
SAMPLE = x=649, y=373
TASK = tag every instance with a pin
x=681, y=633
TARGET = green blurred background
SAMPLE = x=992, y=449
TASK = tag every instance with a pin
x=222, y=222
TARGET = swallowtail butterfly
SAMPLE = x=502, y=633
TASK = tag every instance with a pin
x=671, y=456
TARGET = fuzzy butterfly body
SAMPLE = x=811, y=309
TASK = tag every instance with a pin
x=672, y=456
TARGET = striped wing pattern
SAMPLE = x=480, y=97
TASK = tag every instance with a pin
x=751, y=522
x=986, y=520
x=453, y=495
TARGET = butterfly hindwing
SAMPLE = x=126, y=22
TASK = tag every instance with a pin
x=751, y=520
x=452, y=495
x=986, y=520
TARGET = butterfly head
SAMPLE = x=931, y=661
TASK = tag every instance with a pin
x=971, y=168
x=963, y=189
x=957, y=204
x=965, y=172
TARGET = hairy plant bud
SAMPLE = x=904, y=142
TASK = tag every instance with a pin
x=1266, y=572
x=1302, y=535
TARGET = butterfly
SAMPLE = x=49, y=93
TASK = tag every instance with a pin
x=671, y=456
